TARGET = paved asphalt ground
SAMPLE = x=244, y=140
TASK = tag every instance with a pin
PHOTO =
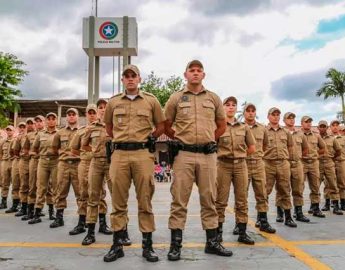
x=317, y=245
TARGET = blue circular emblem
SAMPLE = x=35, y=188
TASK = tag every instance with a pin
x=108, y=30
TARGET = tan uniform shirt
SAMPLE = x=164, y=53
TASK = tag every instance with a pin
x=75, y=144
x=194, y=115
x=133, y=120
x=61, y=141
x=96, y=136
x=300, y=143
x=315, y=143
x=5, y=149
x=29, y=142
x=279, y=142
x=235, y=141
x=341, y=140
x=12, y=154
x=43, y=142
x=332, y=146
x=261, y=137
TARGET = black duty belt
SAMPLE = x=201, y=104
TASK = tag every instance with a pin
x=208, y=148
x=129, y=146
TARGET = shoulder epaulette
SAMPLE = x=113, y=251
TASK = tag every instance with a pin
x=148, y=94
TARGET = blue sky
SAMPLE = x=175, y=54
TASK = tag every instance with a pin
x=272, y=53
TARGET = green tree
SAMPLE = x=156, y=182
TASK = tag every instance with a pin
x=334, y=87
x=160, y=88
x=11, y=75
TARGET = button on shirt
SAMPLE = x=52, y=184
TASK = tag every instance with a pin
x=194, y=115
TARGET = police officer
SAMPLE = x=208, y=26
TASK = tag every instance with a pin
x=327, y=167
x=95, y=140
x=24, y=166
x=316, y=147
x=6, y=165
x=256, y=167
x=130, y=118
x=47, y=168
x=15, y=170
x=33, y=163
x=199, y=120
x=277, y=166
x=233, y=147
x=297, y=176
x=340, y=162
x=67, y=170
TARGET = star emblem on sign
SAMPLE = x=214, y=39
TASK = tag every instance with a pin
x=108, y=30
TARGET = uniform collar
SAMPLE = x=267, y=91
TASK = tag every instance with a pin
x=50, y=132
x=235, y=123
x=270, y=127
x=70, y=128
x=124, y=95
x=186, y=89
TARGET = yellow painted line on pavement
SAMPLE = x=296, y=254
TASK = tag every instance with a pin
x=133, y=246
x=290, y=248
x=318, y=242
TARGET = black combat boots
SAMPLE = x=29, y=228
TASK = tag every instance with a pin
x=280, y=214
x=80, y=228
x=327, y=205
x=288, y=219
x=14, y=207
x=336, y=209
x=3, y=204
x=148, y=252
x=51, y=211
x=342, y=204
x=116, y=250
x=316, y=211
x=257, y=223
x=58, y=222
x=243, y=236
x=103, y=227
x=90, y=236
x=220, y=232
x=30, y=211
x=236, y=230
x=175, y=245
x=263, y=223
x=299, y=214
x=213, y=246
x=23, y=210
x=126, y=240
x=37, y=217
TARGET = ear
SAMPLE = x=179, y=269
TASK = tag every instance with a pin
x=139, y=79
x=185, y=75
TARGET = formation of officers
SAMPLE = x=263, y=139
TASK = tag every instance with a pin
x=211, y=148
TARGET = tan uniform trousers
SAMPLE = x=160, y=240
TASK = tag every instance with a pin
x=139, y=166
x=328, y=176
x=297, y=182
x=98, y=173
x=83, y=171
x=340, y=170
x=278, y=175
x=312, y=173
x=67, y=175
x=201, y=169
x=6, y=168
x=257, y=176
x=46, y=175
x=235, y=172
x=15, y=179
x=24, y=179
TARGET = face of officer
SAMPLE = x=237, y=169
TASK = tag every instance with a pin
x=290, y=121
x=101, y=110
x=51, y=121
x=21, y=129
x=91, y=116
x=274, y=118
x=72, y=118
x=335, y=128
x=30, y=126
x=250, y=114
x=322, y=129
x=9, y=133
x=131, y=81
x=194, y=75
x=306, y=125
x=230, y=108
x=39, y=124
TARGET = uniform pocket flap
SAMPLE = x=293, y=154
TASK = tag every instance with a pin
x=143, y=113
x=95, y=134
x=119, y=111
x=185, y=104
x=208, y=104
